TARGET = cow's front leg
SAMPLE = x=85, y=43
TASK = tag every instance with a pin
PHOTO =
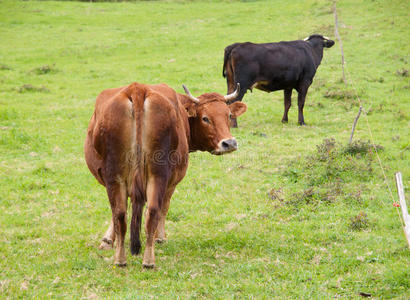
x=107, y=241
x=160, y=235
x=155, y=196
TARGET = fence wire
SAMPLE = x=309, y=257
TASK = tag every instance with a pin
x=351, y=82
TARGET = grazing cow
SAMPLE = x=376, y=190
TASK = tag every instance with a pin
x=275, y=66
x=137, y=146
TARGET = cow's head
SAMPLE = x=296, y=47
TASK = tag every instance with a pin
x=209, y=119
x=317, y=38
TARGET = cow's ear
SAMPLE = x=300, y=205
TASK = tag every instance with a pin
x=190, y=108
x=237, y=109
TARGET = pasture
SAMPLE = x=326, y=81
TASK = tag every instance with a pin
x=294, y=213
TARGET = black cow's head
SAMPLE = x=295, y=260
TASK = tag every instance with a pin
x=317, y=38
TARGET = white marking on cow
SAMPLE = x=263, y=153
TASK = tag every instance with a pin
x=259, y=85
x=146, y=104
x=146, y=124
x=254, y=85
x=108, y=239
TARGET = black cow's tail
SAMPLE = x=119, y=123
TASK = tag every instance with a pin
x=227, y=55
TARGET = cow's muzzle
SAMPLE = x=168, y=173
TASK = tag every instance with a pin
x=226, y=146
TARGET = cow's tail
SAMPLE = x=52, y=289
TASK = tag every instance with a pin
x=137, y=94
x=138, y=201
x=227, y=55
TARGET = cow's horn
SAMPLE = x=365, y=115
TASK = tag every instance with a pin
x=196, y=100
x=233, y=95
x=306, y=39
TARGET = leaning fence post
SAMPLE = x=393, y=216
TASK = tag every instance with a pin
x=403, y=205
x=354, y=124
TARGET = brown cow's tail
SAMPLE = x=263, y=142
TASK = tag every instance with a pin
x=227, y=55
x=138, y=200
x=137, y=94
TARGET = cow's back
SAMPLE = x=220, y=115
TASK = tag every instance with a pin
x=165, y=133
x=109, y=136
x=122, y=135
x=281, y=64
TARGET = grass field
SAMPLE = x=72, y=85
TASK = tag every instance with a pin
x=294, y=213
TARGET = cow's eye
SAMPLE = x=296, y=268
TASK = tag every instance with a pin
x=206, y=120
x=230, y=116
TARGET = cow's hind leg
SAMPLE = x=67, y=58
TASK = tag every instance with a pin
x=107, y=241
x=118, y=200
x=302, y=91
x=155, y=196
x=288, y=102
x=160, y=235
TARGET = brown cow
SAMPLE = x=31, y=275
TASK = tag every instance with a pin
x=137, y=146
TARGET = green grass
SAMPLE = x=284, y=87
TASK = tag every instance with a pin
x=276, y=219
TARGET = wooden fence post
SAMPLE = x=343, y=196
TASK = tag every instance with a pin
x=340, y=41
x=403, y=205
x=354, y=124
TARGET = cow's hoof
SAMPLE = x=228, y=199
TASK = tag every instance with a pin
x=302, y=123
x=160, y=240
x=106, y=244
x=121, y=264
x=148, y=266
x=284, y=121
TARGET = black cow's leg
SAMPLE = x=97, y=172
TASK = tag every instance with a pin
x=301, y=101
x=244, y=84
x=288, y=102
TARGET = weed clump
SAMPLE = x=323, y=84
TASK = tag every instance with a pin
x=31, y=88
x=361, y=147
x=402, y=72
x=316, y=195
x=324, y=151
x=4, y=67
x=44, y=70
x=359, y=222
x=339, y=94
x=326, y=176
x=308, y=196
x=276, y=196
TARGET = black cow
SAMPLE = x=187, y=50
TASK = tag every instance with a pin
x=275, y=66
